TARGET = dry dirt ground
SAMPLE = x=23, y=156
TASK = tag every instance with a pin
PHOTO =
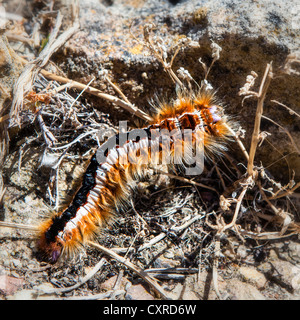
x=163, y=231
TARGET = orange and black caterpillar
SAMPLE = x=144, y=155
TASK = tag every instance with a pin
x=106, y=185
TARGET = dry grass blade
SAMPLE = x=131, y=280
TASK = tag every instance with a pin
x=16, y=37
x=217, y=251
x=187, y=224
x=291, y=111
x=4, y=118
x=175, y=229
x=286, y=193
x=239, y=142
x=2, y=188
x=18, y=226
x=47, y=134
x=25, y=80
x=172, y=270
x=156, y=239
x=265, y=235
x=259, y=111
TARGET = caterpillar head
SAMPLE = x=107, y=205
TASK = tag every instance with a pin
x=49, y=248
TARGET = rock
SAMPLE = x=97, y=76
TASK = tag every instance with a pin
x=109, y=283
x=15, y=262
x=44, y=287
x=138, y=292
x=238, y=290
x=286, y=274
x=190, y=295
x=163, y=262
x=201, y=287
x=174, y=290
x=250, y=33
x=9, y=285
x=295, y=282
x=242, y=252
x=169, y=254
x=294, y=251
x=253, y=276
x=33, y=294
x=265, y=268
x=178, y=291
x=25, y=294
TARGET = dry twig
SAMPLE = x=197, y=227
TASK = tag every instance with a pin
x=119, y=102
x=156, y=287
x=18, y=226
x=260, y=103
x=286, y=193
x=186, y=180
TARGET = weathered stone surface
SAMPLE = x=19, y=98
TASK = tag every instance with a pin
x=286, y=275
x=251, y=34
x=9, y=285
x=28, y=294
x=166, y=263
x=138, y=292
x=110, y=283
x=239, y=290
x=252, y=276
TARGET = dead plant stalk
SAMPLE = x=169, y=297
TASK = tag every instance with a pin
x=259, y=111
x=119, y=102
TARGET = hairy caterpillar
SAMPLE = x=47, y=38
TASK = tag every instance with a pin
x=106, y=183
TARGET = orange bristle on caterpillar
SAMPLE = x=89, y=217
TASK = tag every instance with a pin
x=106, y=184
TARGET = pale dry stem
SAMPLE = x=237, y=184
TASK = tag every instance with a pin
x=18, y=226
x=259, y=111
x=119, y=102
x=286, y=193
x=152, y=282
x=291, y=111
